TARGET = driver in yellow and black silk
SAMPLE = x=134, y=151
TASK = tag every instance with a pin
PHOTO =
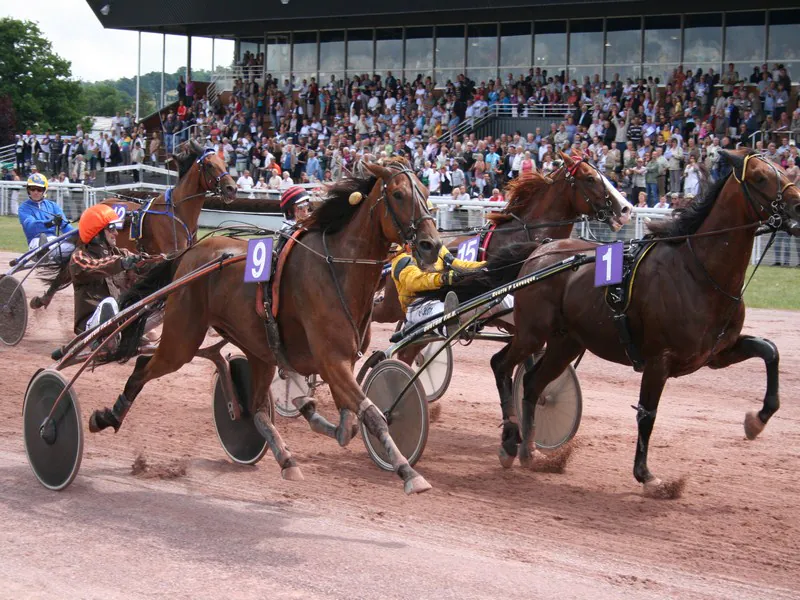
x=411, y=281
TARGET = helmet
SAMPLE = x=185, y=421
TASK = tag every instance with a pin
x=292, y=197
x=37, y=180
x=95, y=219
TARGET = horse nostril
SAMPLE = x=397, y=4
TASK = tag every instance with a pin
x=425, y=246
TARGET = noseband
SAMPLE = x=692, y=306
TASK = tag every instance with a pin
x=778, y=218
x=601, y=214
x=408, y=235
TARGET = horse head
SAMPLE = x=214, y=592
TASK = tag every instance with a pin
x=773, y=197
x=595, y=194
x=213, y=173
x=406, y=218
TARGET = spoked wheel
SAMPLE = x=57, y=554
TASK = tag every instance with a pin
x=13, y=311
x=54, y=445
x=436, y=377
x=240, y=439
x=558, y=411
x=408, y=421
x=287, y=385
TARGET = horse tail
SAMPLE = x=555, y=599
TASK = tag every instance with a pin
x=156, y=278
x=55, y=275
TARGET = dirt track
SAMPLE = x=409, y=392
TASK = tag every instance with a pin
x=348, y=531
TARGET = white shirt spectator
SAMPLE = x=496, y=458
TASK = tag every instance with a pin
x=245, y=182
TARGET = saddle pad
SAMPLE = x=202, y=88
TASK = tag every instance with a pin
x=276, y=276
x=618, y=297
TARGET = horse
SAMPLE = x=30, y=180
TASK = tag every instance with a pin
x=685, y=309
x=170, y=225
x=325, y=300
x=539, y=207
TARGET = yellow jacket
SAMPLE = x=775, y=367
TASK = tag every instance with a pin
x=410, y=279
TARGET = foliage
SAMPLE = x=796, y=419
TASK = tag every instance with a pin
x=37, y=80
x=105, y=100
x=8, y=120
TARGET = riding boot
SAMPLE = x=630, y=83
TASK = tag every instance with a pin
x=110, y=417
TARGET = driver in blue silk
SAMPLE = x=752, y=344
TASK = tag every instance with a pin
x=43, y=220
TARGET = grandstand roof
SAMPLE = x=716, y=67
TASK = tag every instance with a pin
x=254, y=17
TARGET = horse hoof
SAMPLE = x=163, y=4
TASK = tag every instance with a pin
x=753, y=425
x=661, y=490
x=506, y=459
x=292, y=474
x=416, y=485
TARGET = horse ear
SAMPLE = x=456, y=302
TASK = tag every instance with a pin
x=196, y=148
x=379, y=171
x=566, y=158
x=735, y=160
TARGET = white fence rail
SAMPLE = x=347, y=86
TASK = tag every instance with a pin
x=450, y=215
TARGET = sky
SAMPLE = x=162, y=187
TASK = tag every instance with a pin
x=97, y=53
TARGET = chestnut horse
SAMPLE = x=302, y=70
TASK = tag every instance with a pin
x=324, y=307
x=686, y=309
x=539, y=207
x=167, y=227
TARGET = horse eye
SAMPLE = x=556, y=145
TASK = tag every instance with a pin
x=398, y=195
x=590, y=179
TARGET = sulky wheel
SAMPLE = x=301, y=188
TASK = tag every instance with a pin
x=287, y=385
x=558, y=412
x=408, y=420
x=436, y=377
x=13, y=311
x=54, y=445
x=240, y=439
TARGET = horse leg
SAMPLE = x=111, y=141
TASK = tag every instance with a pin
x=348, y=396
x=745, y=347
x=63, y=278
x=342, y=433
x=557, y=357
x=503, y=364
x=260, y=405
x=652, y=386
x=177, y=348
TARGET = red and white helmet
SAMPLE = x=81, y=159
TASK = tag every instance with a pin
x=292, y=197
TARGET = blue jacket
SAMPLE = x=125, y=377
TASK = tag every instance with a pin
x=34, y=216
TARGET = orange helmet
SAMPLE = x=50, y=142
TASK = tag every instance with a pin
x=95, y=219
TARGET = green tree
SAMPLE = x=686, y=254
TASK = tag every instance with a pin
x=104, y=99
x=37, y=80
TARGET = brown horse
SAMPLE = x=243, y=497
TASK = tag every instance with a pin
x=538, y=208
x=686, y=309
x=324, y=309
x=168, y=226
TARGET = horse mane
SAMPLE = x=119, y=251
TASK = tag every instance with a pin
x=519, y=194
x=687, y=220
x=185, y=159
x=336, y=211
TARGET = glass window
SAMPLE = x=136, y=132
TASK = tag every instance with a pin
x=702, y=40
x=449, y=53
x=784, y=33
x=278, y=56
x=389, y=50
x=482, y=45
x=482, y=76
x=550, y=44
x=745, y=47
x=632, y=72
x=624, y=41
x=515, y=45
x=663, y=72
x=304, y=52
x=359, y=51
x=419, y=52
x=662, y=40
x=586, y=42
x=331, y=54
x=246, y=47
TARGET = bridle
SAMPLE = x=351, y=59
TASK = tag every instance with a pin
x=211, y=183
x=601, y=214
x=778, y=218
x=409, y=234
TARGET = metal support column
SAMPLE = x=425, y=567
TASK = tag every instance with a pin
x=188, y=56
x=138, y=73
x=163, y=66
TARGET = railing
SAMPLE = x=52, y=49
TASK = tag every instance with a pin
x=8, y=155
x=222, y=80
x=774, y=135
x=183, y=134
x=532, y=111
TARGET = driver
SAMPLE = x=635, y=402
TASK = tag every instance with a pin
x=99, y=269
x=43, y=220
x=296, y=206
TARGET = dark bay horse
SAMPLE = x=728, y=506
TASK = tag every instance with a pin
x=324, y=307
x=167, y=227
x=539, y=207
x=686, y=310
